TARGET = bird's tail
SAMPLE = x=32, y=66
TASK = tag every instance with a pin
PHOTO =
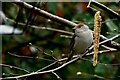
x=70, y=56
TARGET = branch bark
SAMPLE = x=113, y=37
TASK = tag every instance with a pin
x=45, y=14
x=105, y=8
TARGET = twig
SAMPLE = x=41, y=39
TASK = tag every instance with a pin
x=89, y=54
x=111, y=39
x=100, y=77
x=115, y=19
x=108, y=40
x=53, y=55
x=50, y=55
x=48, y=71
x=28, y=57
x=103, y=51
x=105, y=8
x=14, y=67
x=86, y=74
x=52, y=29
x=43, y=28
x=9, y=74
x=100, y=63
x=47, y=66
x=58, y=77
x=112, y=44
x=106, y=47
x=65, y=36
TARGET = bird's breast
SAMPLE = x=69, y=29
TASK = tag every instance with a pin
x=82, y=42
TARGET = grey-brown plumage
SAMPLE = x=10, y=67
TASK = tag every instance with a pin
x=81, y=41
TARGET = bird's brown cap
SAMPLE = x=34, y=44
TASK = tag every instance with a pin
x=79, y=25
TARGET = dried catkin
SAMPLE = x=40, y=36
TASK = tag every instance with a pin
x=97, y=29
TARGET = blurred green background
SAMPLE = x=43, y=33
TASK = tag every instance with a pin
x=49, y=41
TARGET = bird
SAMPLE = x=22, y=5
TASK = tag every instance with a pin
x=81, y=41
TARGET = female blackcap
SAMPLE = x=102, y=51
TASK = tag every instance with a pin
x=81, y=41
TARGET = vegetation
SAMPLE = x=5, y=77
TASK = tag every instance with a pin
x=46, y=40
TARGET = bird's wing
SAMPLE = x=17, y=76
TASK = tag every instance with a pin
x=72, y=42
x=71, y=48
